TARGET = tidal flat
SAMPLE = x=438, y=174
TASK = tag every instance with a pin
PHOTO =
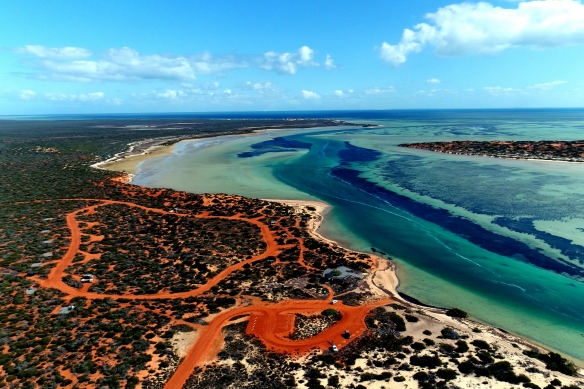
x=498, y=238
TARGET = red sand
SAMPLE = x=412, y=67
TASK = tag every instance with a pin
x=271, y=323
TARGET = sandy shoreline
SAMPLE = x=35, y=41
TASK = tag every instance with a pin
x=129, y=164
x=127, y=161
x=382, y=282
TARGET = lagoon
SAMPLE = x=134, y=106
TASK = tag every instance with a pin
x=501, y=239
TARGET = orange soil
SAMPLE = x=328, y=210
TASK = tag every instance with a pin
x=271, y=323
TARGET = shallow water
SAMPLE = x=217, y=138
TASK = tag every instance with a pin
x=487, y=235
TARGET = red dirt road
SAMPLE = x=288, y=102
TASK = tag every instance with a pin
x=265, y=323
x=271, y=323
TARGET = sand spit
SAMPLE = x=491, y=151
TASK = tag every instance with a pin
x=128, y=161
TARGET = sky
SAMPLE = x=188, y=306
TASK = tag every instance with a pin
x=67, y=57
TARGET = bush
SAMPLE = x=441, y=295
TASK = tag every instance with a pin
x=330, y=312
x=481, y=344
x=333, y=381
x=531, y=385
x=412, y=319
x=446, y=374
x=554, y=361
x=446, y=348
x=461, y=346
x=449, y=333
x=430, y=361
x=421, y=376
x=400, y=324
x=428, y=342
x=485, y=357
x=466, y=367
x=455, y=312
x=418, y=346
x=399, y=378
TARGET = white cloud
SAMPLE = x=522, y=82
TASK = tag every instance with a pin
x=124, y=64
x=54, y=52
x=310, y=94
x=306, y=55
x=26, y=94
x=378, y=91
x=429, y=93
x=339, y=93
x=227, y=91
x=433, y=81
x=172, y=94
x=481, y=28
x=288, y=63
x=506, y=91
x=329, y=63
x=351, y=90
x=83, y=97
x=547, y=85
x=115, y=101
x=258, y=86
x=128, y=65
x=499, y=91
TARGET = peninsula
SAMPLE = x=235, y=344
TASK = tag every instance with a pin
x=547, y=150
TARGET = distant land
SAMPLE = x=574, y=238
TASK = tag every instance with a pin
x=549, y=150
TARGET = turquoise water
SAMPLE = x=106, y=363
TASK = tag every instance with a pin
x=501, y=239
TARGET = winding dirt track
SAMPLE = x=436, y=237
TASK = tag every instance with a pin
x=269, y=322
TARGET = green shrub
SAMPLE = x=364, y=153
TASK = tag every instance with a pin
x=481, y=344
x=554, y=361
x=461, y=346
x=466, y=367
x=430, y=361
x=455, y=312
x=421, y=376
x=330, y=312
x=400, y=324
x=446, y=374
x=428, y=342
x=449, y=333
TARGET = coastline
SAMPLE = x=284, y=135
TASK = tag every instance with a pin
x=127, y=161
x=384, y=279
x=130, y=163
x=137, y=152
x=383, y=282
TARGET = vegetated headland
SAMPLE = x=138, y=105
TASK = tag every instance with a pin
x=106, y=284
x=548, y=150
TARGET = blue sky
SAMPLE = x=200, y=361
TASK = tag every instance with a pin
x=200, y=56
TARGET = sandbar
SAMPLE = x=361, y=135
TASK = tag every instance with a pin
x=129, y=163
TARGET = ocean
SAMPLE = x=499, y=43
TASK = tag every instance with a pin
x=501, y=239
